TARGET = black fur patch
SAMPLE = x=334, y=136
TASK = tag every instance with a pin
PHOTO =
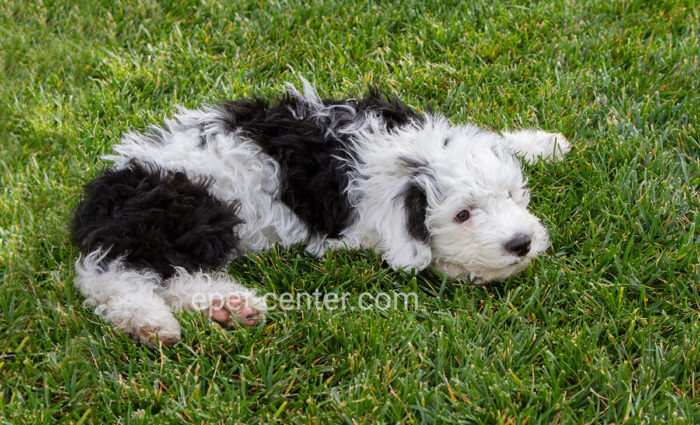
x=390, y=108
x=156, y=219
x=415, y=204
x=313, y=175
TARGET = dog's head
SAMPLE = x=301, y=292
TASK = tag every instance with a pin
x=466, y=199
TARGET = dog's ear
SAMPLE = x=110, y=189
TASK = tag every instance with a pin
x=404, y=233
x=415, y=204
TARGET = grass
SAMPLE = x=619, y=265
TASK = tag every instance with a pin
x=604, y=328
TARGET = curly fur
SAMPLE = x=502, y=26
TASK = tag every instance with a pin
x=155, y=220
x=369, y=173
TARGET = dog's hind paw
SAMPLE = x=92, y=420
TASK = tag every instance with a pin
x=167, y=333
x=243, y=308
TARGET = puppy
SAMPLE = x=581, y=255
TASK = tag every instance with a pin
x=183, y=199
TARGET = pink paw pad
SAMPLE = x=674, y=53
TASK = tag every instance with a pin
x=234, y=309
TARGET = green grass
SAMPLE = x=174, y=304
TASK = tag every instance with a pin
x=604, y=328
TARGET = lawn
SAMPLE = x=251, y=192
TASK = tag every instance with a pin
x=603, y=328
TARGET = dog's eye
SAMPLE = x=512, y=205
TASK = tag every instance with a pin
x=462, y=216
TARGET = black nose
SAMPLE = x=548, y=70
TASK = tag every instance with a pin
x=519, y=245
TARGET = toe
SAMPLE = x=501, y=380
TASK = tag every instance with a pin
x=146, y=334
x=248, y=316
x=237, y=309
x=220, y=315
x=151, y=335
x=168, y=339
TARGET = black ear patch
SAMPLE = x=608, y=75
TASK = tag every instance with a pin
x=415, y=203
x=415, y=198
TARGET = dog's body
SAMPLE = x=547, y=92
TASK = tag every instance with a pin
x=183, y=199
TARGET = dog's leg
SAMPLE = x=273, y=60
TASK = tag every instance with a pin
x=219, y=297
x=126, y=298
x=405, y=252
x=534, y=145
x=398, y=247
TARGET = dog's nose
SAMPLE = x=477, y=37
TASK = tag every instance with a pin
x=519, y=245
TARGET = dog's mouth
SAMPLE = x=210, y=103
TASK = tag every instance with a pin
x=526, y=260
x=459, y=271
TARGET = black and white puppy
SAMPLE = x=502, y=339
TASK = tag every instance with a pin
x=183, y=199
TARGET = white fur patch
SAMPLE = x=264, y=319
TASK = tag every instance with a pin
x=127, y=298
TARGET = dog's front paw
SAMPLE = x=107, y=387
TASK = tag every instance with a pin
x=534, y=145
x=547, y=146
x=410, y=256
x=243, y=307
x=555, y=146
